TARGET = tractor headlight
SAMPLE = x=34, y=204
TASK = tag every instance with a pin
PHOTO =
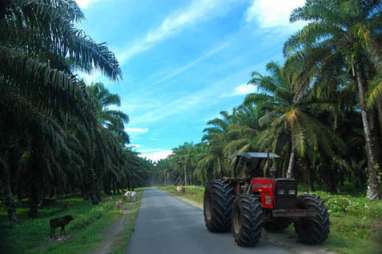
x=281, y=192
x=268, y=200
x=292, y=192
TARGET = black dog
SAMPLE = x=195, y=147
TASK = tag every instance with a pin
x=59, y=222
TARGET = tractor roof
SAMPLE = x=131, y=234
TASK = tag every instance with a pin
x=253, y=155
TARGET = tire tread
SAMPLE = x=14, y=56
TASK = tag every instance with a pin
x=221, y=201
x=251, y=220
x=314, y=230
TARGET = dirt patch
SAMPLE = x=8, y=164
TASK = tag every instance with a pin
x=289, y=241
x=111, y=233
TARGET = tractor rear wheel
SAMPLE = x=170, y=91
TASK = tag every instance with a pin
x=315, y=229
x=247, y=220
x=277, y=225
x=218, y=201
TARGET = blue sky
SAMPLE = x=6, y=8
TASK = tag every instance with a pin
x=184, y=61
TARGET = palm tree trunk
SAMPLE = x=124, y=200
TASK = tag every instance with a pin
x=379, y=110
x=33, y=201
x=373, y=167
x=220, y=167
x=378, y=144
x=36, y=164
x=9, y=202
x=93, y=187
x=291, y=159
x=185, y=174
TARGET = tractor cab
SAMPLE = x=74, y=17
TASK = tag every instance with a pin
x=255, y=164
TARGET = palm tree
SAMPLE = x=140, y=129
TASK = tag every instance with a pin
x=348, y=29
x=39, y=49
x=113, y=120
x=216, y=137
x=243, y=130
x=110, y=135
x=184, y=160
x=286, y=100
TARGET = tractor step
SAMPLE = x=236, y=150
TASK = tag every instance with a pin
x=293, y=213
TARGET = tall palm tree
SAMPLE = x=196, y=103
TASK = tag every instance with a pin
x=109, y=131
x=286, y=100
x=337, y=27
x=216, y=137
x=39, y=49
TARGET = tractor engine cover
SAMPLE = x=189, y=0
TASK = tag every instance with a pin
x=265, y=188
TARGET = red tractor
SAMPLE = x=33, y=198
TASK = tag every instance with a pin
x=248, y=204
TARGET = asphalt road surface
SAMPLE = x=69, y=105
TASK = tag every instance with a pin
x=168, y=225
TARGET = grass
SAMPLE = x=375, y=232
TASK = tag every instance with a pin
x=83, y=234
x=193, y=192
x=121, y=241
x=356, y=223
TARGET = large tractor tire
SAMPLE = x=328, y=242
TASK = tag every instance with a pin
x=277, y=225
x=218, y=202
x=313, y=230
x=247, y=220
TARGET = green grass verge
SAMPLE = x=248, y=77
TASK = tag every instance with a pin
x=193, y=193
x=122, y=240
x=356, y=223
x=83, y=234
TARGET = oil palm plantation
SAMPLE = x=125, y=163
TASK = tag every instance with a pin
x=348, y=30
x=55, y=132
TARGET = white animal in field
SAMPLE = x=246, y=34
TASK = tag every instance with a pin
x=179, y=188
x=133, y=196
x=127, y=195
x=130, y=195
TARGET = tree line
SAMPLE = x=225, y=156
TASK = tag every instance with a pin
x=58, y=135
x=321, y=110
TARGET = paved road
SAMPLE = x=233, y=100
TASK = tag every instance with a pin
x=169, y=226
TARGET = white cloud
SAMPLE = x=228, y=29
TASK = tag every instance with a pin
x=244, y=89
x=86, y=3
x=272, y=13
x=94, y=76
x=156, y=155
x=240, y=90
x=197, y=11
x=136, y=130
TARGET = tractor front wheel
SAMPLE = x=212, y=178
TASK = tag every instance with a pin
x=218, y=201
x=315, y=229
x=247, y=220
